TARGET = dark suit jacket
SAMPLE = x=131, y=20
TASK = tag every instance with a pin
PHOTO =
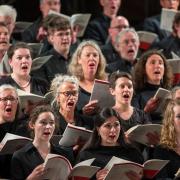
x=97, y=29
x=152, y=24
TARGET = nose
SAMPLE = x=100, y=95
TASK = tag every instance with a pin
x=8, y=102
x=113, y=129
x=48, y=125
x=126, y=88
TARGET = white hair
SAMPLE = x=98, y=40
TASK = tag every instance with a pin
x=7, y=10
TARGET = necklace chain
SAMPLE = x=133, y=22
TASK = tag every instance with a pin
x=22, y=86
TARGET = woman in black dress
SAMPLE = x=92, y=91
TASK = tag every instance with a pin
x=151, y=72
x=169, y=148
x=27, y=163
x=20, y=61
x=107, y=140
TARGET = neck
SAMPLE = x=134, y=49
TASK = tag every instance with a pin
x=63, y=53
x=42, y=146
x=22, y=81
x=108, y=14
x=88, y=80
x=122, y=107
x=158, y=82
x=68, y=115
x=20, y=78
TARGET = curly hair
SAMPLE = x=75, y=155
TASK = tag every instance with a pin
x=139, y=73
x=76, y=69
x=168, y=133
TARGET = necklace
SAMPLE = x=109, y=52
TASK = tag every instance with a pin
x=24, y=85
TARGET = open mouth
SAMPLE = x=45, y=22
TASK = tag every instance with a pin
x=157, y=72
x=8, y=109
x=24, y=67
x=131, y=51
x=91, y=65
x=112, y=136
x=127, y=96
x=47, y=133
x=70, y=104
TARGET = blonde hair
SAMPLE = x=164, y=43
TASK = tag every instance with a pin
x=76, y=69
x=168, y=133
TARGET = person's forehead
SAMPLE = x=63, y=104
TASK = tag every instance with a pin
x=51, y=1
x=7, y=92
x=3, y=29
x=128, y=35
x=118, y=21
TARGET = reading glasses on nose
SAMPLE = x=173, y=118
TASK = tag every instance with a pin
x=6, y=99
x=69, y=93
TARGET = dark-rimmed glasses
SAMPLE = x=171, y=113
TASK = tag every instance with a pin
x=10, y=98
x=69, y=93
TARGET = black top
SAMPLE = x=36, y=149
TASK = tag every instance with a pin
x=104, y=153
x=168, y=45
x=29, y=34
x=152, y=24
x=27, y=158
x=120, y=65
x=138, y=117
x=80, y=120
x=141, y=97
x=38, y=86
x=172, y=167
x=57, y=64
x=97, y=29
x=5, y=160
x=83, y=98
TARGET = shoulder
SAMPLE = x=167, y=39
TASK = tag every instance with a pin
x=19, y=154
x=39, y=81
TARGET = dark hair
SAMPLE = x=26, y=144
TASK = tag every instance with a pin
x=57, y=23
x=116, y=75
x=95, y=139
x=176, y=21
x=139, y=74
x=37, y=111
x=16, y=46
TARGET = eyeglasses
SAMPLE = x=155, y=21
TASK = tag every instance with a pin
x=69, y=93
x=6, y=99
x=119, y=27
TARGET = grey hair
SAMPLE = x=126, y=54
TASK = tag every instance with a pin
x=7, y=10
x=8, y=87
x=41, y=1
x=121, y=34
x=58, y=81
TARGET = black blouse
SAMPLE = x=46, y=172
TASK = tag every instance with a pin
x=80, y=120
x=26, y=159
x=141, y=98
x=38, y=86
x=174, y=162
x=104, y=153
x=138, y=117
